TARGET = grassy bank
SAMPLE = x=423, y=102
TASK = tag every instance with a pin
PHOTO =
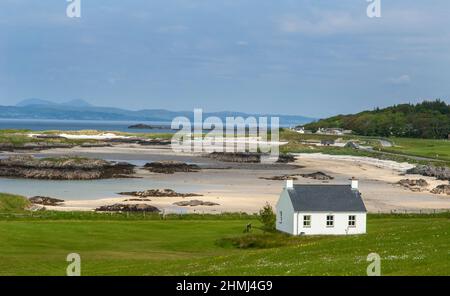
x=212, y=245
x=436, y=152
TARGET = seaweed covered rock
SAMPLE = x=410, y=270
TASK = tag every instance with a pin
x=317, y=176
x=413, y=184
x=158, y=193
x=441, y=173
x=63, y=168
x=194, y=203
x=441, y=189
x=128, y=208
x=46, y=201
x=170, y=167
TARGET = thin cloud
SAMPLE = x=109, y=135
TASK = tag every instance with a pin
x=401, y=80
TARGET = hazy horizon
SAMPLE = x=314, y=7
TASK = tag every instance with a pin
x=309, y=58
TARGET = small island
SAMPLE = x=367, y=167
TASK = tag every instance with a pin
x=148, y=126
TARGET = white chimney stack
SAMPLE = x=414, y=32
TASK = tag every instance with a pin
x=354, y=183
x=289, y=184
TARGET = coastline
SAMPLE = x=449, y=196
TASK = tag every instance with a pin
x=238, y=188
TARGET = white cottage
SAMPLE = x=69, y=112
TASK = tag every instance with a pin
x=321, y=209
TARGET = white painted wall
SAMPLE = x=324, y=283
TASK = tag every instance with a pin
x=319, y=223
x=284, y=205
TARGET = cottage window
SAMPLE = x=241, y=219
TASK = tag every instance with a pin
x=330, y=221
x=307, y=221
x=281, y=217
x=352, y=221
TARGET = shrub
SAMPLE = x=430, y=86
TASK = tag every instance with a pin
x=267, y=218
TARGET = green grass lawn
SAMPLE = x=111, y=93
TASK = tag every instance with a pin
x=437, y=149
x=408, y=245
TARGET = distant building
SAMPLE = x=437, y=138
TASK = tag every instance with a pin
x=299, y=129
x=352, y=145
x=321, y=209
x=333, y=131
x=327, y=142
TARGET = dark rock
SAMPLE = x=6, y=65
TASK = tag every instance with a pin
x=412, y=182
x=46, y=201
x=158, y=193
x=441, y=189
x=170, y=167
x=286, y=158
x=131, y=140
x=94, y=145
x=161, y=142
x=194, y=203
x=128, y=208
x=413, y=185
x=281, y=178
x=317, y=176
x=441, y=173
x=62, y=168
x=247, y=157
x=241, y=157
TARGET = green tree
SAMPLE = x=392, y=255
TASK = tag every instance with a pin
x=267, y=218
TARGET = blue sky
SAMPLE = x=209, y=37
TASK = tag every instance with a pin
x=305, y=57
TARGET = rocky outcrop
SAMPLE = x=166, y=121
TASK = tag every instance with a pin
x=415, y=185
x=170, y=167
x=247, y=157
x=95, y=145
x=281, y=178
x=63, y=168
x=286, y=158
x=128, y=208
x=33, y=146
x=157, y=141
x=441, y=173
x=194, y=203
x=159, y=193
x=46, y=201
x=317, y=176
x=441, y=189
x=140, y=141
x=240, y=157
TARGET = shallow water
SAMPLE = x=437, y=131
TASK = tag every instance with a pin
x=86, y=189
x=75, y=125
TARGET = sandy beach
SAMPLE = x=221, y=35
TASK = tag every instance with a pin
x=239, y=187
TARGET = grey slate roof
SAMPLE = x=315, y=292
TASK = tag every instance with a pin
x=326, y=198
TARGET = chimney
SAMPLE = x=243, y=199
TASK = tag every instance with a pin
x=354, y=183
x=289, y=184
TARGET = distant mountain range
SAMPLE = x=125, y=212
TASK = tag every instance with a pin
x=81, y=110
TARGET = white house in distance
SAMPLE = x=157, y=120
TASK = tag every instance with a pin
x=321, y=209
